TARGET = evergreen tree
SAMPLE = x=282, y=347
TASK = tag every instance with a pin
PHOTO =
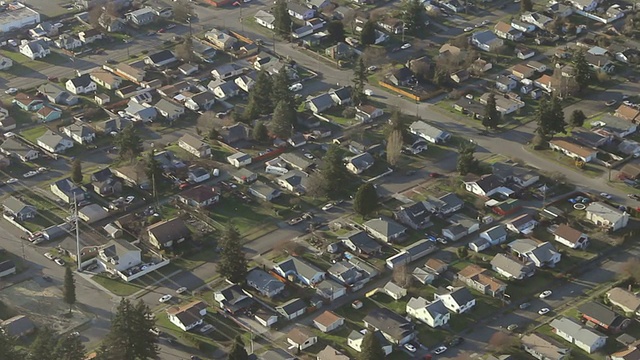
x=526, y=5
x=128, y=143
x=184, y=51
x=153, y=169
x=371, y=347
x=238, y=352
x=577, y=118
x=260, y=132
x=260, y=94
x=413, y=16
x=336, y=31
x=182, y=10
x=282, y=22
x=284, y=116
x=70, y=348
x=359, y=78
x=76, y=171
x=232, y=264
x=334, y=173
x=43, y=347
x=213, y=134
x=368, y=33
x=550, y=119
x=582, y=71
x=129, y=337
x=8, y=347
x=280, y=91
x=366, y=199
x=492, y=116
x=69, y=289
x=467, y=163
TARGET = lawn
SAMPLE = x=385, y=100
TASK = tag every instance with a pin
x=384, y=300
x=243, y=216
x=116, y=286
x=193, y=339
x=33, y=133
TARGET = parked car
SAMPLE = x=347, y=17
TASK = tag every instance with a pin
x=545, y=294
x=610, y=102
x=405, y=46
x=205, y=328
x=327, y=207
x=410, y=348
x=606, y=196
x=524, y=306
x=456, y=341
x=372, y=68
x=295, y=87
x=49, y=256
x=129, y=199
x=12, y=181
x=512, y=327
x=468, y=28
x=59, y=261
x=29, y=174
x=165, y=298
x=181, y=290
x=11, y=91
x=543, y=311
x=439, y=350
x=357, y=304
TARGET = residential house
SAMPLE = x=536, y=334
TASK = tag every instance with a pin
x=239, y=159
x=295, y=269
x=265, y=317
x=111, y=23
x=537, y=19
x=386, y=230
x=328, y=321
x=504, y=104
x=360, y=163
x=7, y=268
x=393, y=327
x=506, y=31
x=106, y=79
x=226, y=71
x=114, y=125
x=197, y=175
x=433, y=313
x=7, y=124
x=68, y=42
x=200, y=196
x=318, y=4
x=495, y=235
x=522, y=71
x=628, y=56
x=265, y=19
x=560, y=10
x=301, y=338
x=330, y=290
x=624, y=299
x=585, y=5
x=523, y=224
x=188, y=68
x=401, y=76
x=453, y=5
x=195, y=145
x=461, y=226
x=105, y=183
x=142, y=16
x=513, y=173
x=574, y=332
x=542, y=254
x=82, y=134
x=320, y=103
x=226, y=90
x=480, y=66
x=67, y=191
x=505, y=83
x=264, y=191
x=292, y=308
x=201, y=101
x=54, y=143
x=360, y=243
x=16, y=149
x=486, y=41
x=627, y=112
x=458, y=300
x=128, y=72
x=346, y=273
x=161, y=58
x=27, y=102
x=428, y=132
x=416, y=216
x=447, y=50
x=544, y=348
x=90, y=36
x=244, y=176
x=133, y=175
x=545, y=82
x=141, y=112
x=486, y=186
x=264, y=283
x=35, y=49
x=573, y=149
x=606, y=216
x=299, y=11
x=391, y=25
x=603, y=317
x=187, y=316
x=246, y=82
x=44, y=29
x=355, y=339
x=17, y=326
x=413, y=252
x=81, y=85
x=233, y=299
x=479, y=279
x=18, y=209
x=630, y=353
x=48, y=113
x=169, y=109
x=395, y=291
x=511, y=267
x=341, y=96
x=294, y=181
x=168, y=233
x=570, y=237
x=57, y=95
x=329, y=353
x=615, y=127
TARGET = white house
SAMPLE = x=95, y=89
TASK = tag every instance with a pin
x=68, y=42
x=573, y=149
x=54, y=143
x=486, y=186
x=265, y=19
x=542, y=254
x=607, y=216
x=495, y=235
x=81, y=85
x=82, y=134
x=296, y=269
x=355, y=338
x=429, y=132
x=188, y=316
x=301, y=338
x=570, y=237
x=239, y=159
x=433, y=313
x=458, y=300
x=119, y=255
x=584, y=338
x=194, y=145
x=36, y=49
x=523, y=224
x=328, y=321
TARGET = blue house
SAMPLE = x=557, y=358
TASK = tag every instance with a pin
x=300, y=11
x=48, y=113
x=27, y=102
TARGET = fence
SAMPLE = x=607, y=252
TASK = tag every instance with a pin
x=241, y=37
x=399, y=91
x=16, y=224
x=144, y=272
x=598, y=18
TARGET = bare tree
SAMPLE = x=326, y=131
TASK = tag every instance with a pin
x=374, y=55
x=631, y=269
x=394, y=147
x=182, y=10
x=113, y=8
x=421, y=69
x=316, y=186
x=501, y=342
x=377, y=14
x=94, y=16
x=401, y=276
x=184, y=50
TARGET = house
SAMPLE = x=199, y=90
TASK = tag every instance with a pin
x=495, y=235
x=318, y=4
x=433, y=313
x=35, y=49
x=628, y=56
x=505, y=83
x=480, y=66
x=7, y=268
x=233, y=299
x=524, y=53
x=81, y=85
x=511, y=267
x=18, y=209
x=246, y=82
x=68, y=42
x=106, y=79
x=585, y=5
x=401, y=76
x=479, y=279
x=226, y=71
x=504, y=104
x=188, y=69
x=429, y=132
x=355, y=338
x=506, y=31
x=329, y=353
x=292, y=308
x=48, y=113
x=264, y=283
x=167, y=233
x=160, y=59
x=328, y=321
x=265, y=19
x=220, y=39
x=114, y=125
x=624, y=299
x=392, y=25
x=605, y=318
x=301, y=338
x=514, y=173
x=574, y=332
x=142, y=16
x=560, y=10
x=416, y=216
x=141, y=112
x=486, y=186
x=523, y=224
x=360, y=243
x=599, y=62
x=346, y=273
x=570, y=237
x=17, y=326
x=226, y=90
x=453, y=5
x=16, y=149
x=82, y=134
x=27, y=102
x=360, y=163
x=7, y=124
x=330, y=290
x=197, y=175
x=195, y=145
x=169, y=109
x=57, y=95
x=129, y=72
x=544, y=348
x=461, y=226
x=105, y=183
x=200, y=196
x=201, y=101
x=111, y=23
x=450, y=50
x=300, y=11
x=239, y=159
x=606, y=216
x=537, y=19
x=90, y=36
x=486, y=41
x=630, y=353
x=413, y=252
x=54, y=143
x=386, y=230
x=393, y=327
x=295, y=269
x=341, y=96
x=573, y=149
x=265, y=317
x=44, y=29
x=627, y=112
x=320, y=103
x=264, y=191
x=367, y=113
x=187, y=316
x=542, y=254
x=615, y=127
x=395, y=291
x=294, y=181
x=302, y=31
x=119, y=255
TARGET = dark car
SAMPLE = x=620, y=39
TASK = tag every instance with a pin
x=47, y=278
x=435, y=175
x=456, y=341
x=52, y=78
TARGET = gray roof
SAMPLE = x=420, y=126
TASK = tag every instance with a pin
x=276, y=354
x=17, y=325
x=424, y=128
x=601, y=313
x=134, y=108
x=420, y=247
x=295, y=178
x=434, y=308
x=462, y=220
x=461, y=295
x=576, y=330
x=362, y=161
x=322, y=101
x=161, y=56
x=542, y=251
x=169, y=230
x=263, y=189
x=385, y=227
x=496, y=232
x=265, y=16
x=296, y=160
x=297, y=7
x=361, y=240
x=605, y=211
x=389, y=323
x=51, y=90
x=51, y=139
x=444, y=203
x=484, y=37
x=356, y=335
x=68, y=187
x=292, y=306
x=228, y=87
x=299, y=267
x=117, y=247
x=263, y=281
x=616, y=124
x=80, y=130
x=511, y=265
x=169, y=107
x=505, y=170
x=16, y=205
x=346, y=272
x=203, y=97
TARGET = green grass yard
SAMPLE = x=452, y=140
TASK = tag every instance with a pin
x=33, y=133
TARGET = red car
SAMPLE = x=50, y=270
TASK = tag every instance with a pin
x=236, y=3
x=434, y=175
x=184, y=185
x=161, y=31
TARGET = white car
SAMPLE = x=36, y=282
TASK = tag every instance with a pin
x=485, y=22
x=606, y=196
x=372, y=68
x=181, y=290
x=468, y=28
x=205, y=328
x=11, y=91
x=295, y=87
x=129, y=199
x=405, y=46
x=12, y=181
x=42, y=169
x=165, y=298
x=545, y=294
x=59, y=261
x=327, y=207
x=29, y=174
x=308, y=156
x=410, y=348
x=439, y=350
x=49, y=256
x=368, y=92
x=543, y=311
x=12, y=42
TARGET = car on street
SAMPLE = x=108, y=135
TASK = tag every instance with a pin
x=512, y=327
x=410, y=348
x=543, y=311
x=12, y=181
x=368, y=92
x=295, y=87
x=170, y=26
x=11, y=91
x=405, y=46
x=165, y=298
x=59, y=262
x=468, y=28
x=545, y=294
x=372, y=68
x=129, y=199
x=49, y=256
x=605, y=195
x=75, y=334
x=611, y=102
x=439, y=350
x=47, y=278
x=309, y=156
x=29, y=174
x=524, y=306
x=12, y=42
x=161, y=31
x=327, y=207
x=181, y=290
x=485, y=22
x=634, y=197
x=357, y=304
x=434, y=175
x=455, y=341
x=42, y=169
x=205, y=328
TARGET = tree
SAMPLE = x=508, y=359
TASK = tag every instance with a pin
x=153, y=169
x=394, y=147
x=260, y=132
x=359, y=78
x=462, y=252
x=501, y=342
x=238, y=352
x=399, y=123
x=232, y=264
x=129, y=143
x=129, y=337
x=631, y=269
x=213, y=134
x=401, y=276
x=336, y=31
x=76, y=171
x=94, y=15
x=374, y=56
x=467, y=163
x=550, y=118
x=8, y=347
x=43, y=347
x=577, y=118
x=316, y=186
x=371, y=347
x=582, y=71
x=413, y=16
x=492, y=116
x=282, y=22
x=184, y=50
x=526, y=5
x=280, y=89
x=69, y=289
x=283, y=119
x=368, y=33
x=334, y=174
x=260, y=94
x=70, y=347
x=182, y=10
x=366, y=199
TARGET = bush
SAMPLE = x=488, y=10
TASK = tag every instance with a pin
x=349, y=113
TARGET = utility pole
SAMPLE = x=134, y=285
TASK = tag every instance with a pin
x=75, y=212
